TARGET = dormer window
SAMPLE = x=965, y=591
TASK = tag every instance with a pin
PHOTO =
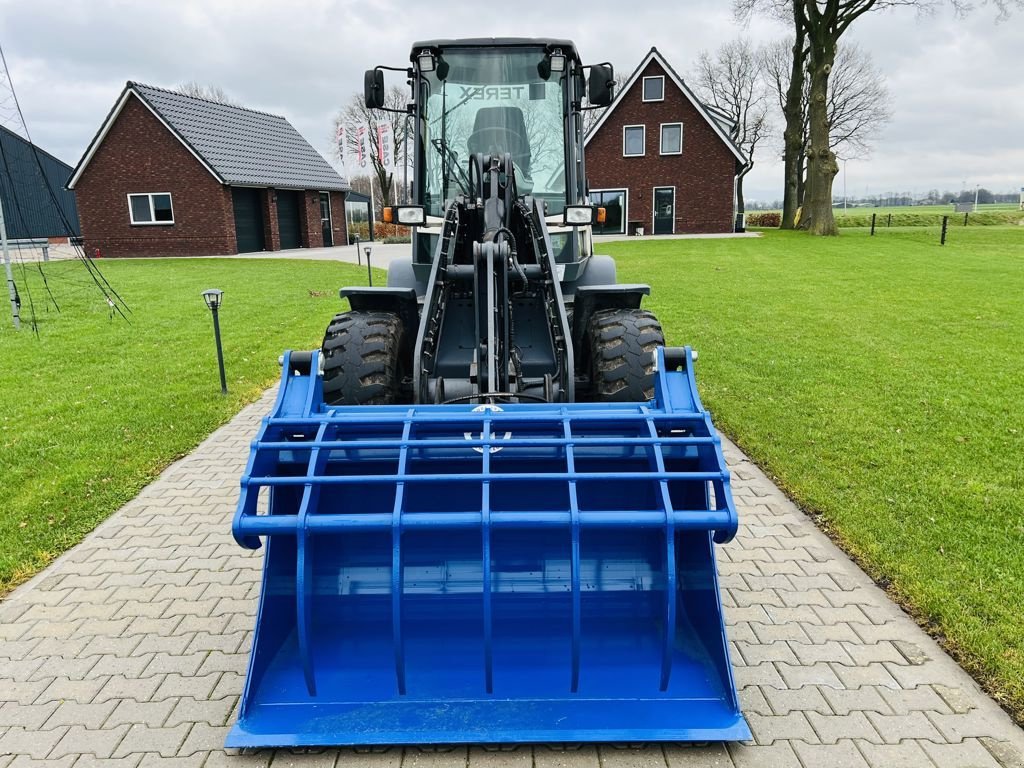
x=654, y=88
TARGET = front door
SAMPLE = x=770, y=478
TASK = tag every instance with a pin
x=325, y=219
x=664, y=210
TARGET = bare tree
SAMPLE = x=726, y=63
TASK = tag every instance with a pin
x=788, y=79
x=355, y=116
x=730, y=82
x=859, y=104
x=823, y=23
x=208, y=92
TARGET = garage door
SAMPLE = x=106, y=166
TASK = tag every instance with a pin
x=288, y=218
x=248, y=219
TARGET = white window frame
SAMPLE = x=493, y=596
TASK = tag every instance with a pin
x=654, y=211
x=625, y=204
x=661, y=139
x=643, y=88
x=643, y=129
x=152, y=212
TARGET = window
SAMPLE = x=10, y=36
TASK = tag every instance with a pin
x=614, y=203
x=633, y=138
x=654, y=88
x=671, y=138
x=151, y=208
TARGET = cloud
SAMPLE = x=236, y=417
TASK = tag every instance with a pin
x=955, y=83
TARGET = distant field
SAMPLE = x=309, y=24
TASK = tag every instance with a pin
x=998, y=214
x=939, y=209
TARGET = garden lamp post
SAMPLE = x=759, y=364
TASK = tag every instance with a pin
x=213, y=298
x=357, y=249
x=369, y=274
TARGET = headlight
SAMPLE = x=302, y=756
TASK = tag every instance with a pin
x=579, y=215
x=411, y=215
x=425, y=59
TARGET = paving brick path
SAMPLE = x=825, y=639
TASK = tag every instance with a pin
x=131, y=649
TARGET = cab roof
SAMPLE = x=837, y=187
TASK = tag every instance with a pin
x=567, y=46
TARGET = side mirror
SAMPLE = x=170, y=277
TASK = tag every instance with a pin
x=600, y=85
x=373, y=89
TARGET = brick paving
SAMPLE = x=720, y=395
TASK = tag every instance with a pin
x=131, y=649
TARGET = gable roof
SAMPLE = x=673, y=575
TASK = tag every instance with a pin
x=655, y=55
x=236, y=145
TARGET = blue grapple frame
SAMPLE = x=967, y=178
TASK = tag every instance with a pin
x=516, y=573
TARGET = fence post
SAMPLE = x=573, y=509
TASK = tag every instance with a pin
x=873, y=224
x=966, y=214
x=945, y=222
x=889, y=222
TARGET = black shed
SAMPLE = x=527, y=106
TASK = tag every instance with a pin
x=35, y=200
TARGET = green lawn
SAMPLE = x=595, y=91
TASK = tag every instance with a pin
x=94, y=408
x=881, y=380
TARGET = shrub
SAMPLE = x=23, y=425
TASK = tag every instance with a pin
x=382, y=231
x=764, y=219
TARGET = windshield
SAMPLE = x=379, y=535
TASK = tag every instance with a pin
x=492, y=101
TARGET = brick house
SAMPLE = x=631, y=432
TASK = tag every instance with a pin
x=660, y=160
x=174, y=175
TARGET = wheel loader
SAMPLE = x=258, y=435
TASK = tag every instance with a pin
x=490, y=499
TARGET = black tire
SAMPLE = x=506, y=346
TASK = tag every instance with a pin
x=622, y=344
x=361, y=355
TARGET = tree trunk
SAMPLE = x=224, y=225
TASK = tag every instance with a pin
x=817, y=217
x=793, y=135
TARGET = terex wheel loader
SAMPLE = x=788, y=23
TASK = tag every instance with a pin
x=490, y=499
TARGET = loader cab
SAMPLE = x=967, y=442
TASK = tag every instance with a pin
x=496, y=96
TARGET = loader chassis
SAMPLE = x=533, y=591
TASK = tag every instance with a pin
x=496, y=275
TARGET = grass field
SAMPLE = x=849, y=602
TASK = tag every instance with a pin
x=94, y=408
x=878, y=379
x=881, y=381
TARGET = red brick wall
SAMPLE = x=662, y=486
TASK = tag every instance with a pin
x=309, y=220
x=703, y=175
x=271, y=226
x=338, y=221
x=140, y=155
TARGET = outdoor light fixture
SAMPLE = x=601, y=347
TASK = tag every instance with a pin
x=557, y=60
x=425, y=59
x=369, y=272
x=214, y=297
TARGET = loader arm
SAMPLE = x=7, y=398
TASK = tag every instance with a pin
x=493, y=292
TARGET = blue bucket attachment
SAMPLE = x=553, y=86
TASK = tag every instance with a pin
x=485, y=574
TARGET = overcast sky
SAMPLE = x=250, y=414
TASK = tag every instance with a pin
x=956, y=83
